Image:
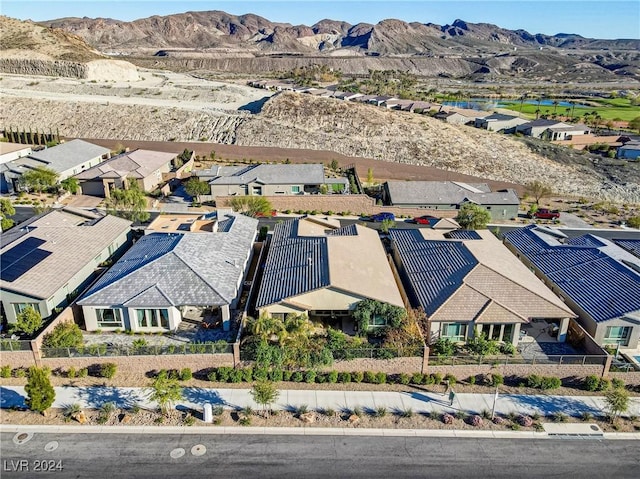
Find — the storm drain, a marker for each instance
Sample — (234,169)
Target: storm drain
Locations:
(573,431)
(22,437)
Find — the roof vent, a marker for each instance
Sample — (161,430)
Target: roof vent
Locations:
(309,261)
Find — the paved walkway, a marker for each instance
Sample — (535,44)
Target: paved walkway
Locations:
(418,401)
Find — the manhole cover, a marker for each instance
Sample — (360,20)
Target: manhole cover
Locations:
(198,450)
(22,437)
(51,446)
(594,427)
(176,453)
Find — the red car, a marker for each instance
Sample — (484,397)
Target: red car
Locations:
(266,215)
(545,214)
(423,220)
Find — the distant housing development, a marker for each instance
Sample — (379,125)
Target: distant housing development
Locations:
(267,180)
(47,261)
(450,195)
(166,274)
(468,283)
(314,266)
(598,279)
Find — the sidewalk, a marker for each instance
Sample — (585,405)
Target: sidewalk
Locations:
(418,401)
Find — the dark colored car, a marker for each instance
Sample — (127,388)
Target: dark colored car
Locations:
(423,220)
(545,214)
(385,215)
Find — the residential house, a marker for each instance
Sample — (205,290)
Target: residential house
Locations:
(580,142)
(596,278)
(316,267)
(451,195)
(536,128)
(629,151)
(48,260)
(380,100)
(499,122)
(460,116)
(268,180)
(13,151)
(565,132)
(145,167)
(468,283)
(165,276)
(66,159)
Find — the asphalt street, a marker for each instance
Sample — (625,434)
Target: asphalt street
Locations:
(136,456)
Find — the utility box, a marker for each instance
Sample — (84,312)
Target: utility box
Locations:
(208,413)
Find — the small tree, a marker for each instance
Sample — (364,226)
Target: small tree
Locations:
(473,217)
(40,392)
(370,178)
(6,209)
(194,187)
(165,390)
(39,179)
(130,204)
(482,346)
(635,124)
(251,205)
(334,165)
(617,400)
(386,224)
(64,335)
(539,190)
(72,185)
(28,321)
(264,393)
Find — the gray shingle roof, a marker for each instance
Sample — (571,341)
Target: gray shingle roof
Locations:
(40,257)
(272,174)
(447,192)
(67,155)
(161,269)
(499,117)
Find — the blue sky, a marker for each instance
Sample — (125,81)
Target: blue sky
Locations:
(590,18)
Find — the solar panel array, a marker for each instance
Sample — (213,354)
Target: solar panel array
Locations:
(349,230)
(294,265)
(597,282)
(19,259)
(586,240)
(631,245)
(435,269)
(463,235)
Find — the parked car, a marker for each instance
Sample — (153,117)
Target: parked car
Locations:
(271,213)
(545,214)
(385,215)
(423,220)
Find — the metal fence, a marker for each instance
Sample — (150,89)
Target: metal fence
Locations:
(103,350)
(14,345)
(376,353)
(575,360)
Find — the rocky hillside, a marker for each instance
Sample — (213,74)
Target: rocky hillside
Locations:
(31,49)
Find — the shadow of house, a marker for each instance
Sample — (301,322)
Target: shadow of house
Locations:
(10,399)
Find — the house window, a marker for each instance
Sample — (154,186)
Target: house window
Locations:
(454,331)
(153,318)
(295,189)
(109,318)
(256,190)
(20,307)
(617,335)
(377,321)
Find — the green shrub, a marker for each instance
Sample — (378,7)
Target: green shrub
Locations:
(444,347)
(236,376)
(321,378)
(212,376)
(83,373)
(19,373)
(5,371)
(534,381)
(437,378)
(380,412)
(507,348)
(369,377)
(297,377)
(71,372)
(428,379)
(381,378)
(497,380)
(471,380)
(276,375)
(550,382)
(357,376)
(40,392)
(223,373)
(108,370)
(605,384)
(344,378)
(451,379)
(286,375)
(617,383)
(244,421)
(310,377)
(332,377)
(417,378)
(64,335)
(185,374)
(404,379)
(261,374)
(189,420)
(247,375)
(592,383)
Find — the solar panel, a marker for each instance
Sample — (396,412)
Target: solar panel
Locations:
(631,245)
(21,258)
(463,235)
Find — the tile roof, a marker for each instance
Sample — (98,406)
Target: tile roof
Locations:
(270,174)
(135,164)
(40,257)
(455,280)
(72,153)
(309,254)
(161,269)
(600,279)
(447,192)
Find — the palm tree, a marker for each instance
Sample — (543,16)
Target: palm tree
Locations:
(555,106)
(266,327)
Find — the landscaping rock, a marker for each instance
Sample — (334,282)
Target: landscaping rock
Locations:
(525,421)
(125,419)
(353,419)
(308,417)
(477,421)
(498,420)
(81,417)
(447,418)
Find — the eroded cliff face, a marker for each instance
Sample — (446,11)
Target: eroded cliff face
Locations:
(99,70)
